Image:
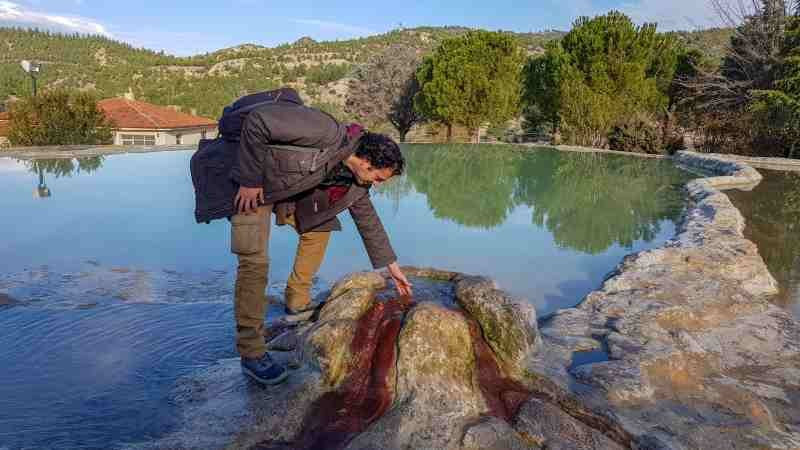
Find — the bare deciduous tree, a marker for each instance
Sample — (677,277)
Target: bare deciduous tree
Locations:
(751,56)
(403,115)
(384,89)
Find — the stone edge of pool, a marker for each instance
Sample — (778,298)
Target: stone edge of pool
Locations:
(689,327)
(82,151)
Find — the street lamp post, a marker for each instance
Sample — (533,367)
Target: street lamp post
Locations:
(42,191)
(32,68)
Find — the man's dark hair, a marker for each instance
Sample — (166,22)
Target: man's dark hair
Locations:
(381,152)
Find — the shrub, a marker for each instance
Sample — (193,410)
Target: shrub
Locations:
(327,73)
(58,117)
(645,135)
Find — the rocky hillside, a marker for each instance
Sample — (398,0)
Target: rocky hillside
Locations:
(205,83)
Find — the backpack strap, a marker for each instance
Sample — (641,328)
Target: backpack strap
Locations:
(232,119)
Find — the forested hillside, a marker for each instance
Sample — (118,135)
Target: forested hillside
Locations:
(205,83)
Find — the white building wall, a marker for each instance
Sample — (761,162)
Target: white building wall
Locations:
(119,135)
(189,136)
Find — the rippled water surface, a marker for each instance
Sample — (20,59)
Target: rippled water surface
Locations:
(110,293)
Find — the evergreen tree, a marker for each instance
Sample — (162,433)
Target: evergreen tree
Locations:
(471,80)
(778,109)
(605,73)
(541,90)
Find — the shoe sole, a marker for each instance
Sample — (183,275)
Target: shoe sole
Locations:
(271,382)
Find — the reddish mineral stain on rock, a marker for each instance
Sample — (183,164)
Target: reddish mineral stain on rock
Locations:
(366,393)
(503,395)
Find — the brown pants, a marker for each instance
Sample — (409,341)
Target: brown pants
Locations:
(250,242)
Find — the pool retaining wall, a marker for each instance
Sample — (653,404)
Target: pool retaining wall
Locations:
(697,355)
(84,151)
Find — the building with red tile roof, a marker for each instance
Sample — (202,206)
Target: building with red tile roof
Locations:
(140,123)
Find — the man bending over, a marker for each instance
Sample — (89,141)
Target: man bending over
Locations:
(304,166)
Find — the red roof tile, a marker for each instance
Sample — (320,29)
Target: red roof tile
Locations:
(135,114)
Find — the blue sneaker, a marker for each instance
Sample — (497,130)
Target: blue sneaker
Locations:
(264,370)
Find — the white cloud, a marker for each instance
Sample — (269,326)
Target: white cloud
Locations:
(334,26)
(14,14)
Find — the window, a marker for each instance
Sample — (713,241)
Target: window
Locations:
(178,139)
(138,139)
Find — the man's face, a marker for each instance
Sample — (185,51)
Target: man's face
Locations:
(366,174)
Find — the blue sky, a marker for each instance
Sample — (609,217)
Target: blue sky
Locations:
(186,27)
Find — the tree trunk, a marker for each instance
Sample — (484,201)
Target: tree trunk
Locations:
(449,133)
(403,134)
(477,136)
(556,138)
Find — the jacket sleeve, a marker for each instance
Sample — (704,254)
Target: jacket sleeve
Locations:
(280,123)
(375,239)
(248,168)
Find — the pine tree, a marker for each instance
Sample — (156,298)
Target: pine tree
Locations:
(605,73)
(471,80)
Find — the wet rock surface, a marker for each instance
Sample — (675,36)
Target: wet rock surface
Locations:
(508,325)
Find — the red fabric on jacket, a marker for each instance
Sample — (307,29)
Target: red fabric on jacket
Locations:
(337,192)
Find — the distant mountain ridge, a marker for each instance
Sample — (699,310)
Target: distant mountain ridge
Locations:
(207,82)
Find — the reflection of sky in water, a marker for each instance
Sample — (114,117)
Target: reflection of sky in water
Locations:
(122,293)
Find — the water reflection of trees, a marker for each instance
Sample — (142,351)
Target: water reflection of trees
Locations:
(588,201)
(65,167)
(395,190)
(591,201)
(772,212)
(472,185)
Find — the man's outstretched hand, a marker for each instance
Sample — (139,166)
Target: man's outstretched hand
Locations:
(246,200)
(400,281)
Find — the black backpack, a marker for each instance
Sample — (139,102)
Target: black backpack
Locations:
(211,164)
